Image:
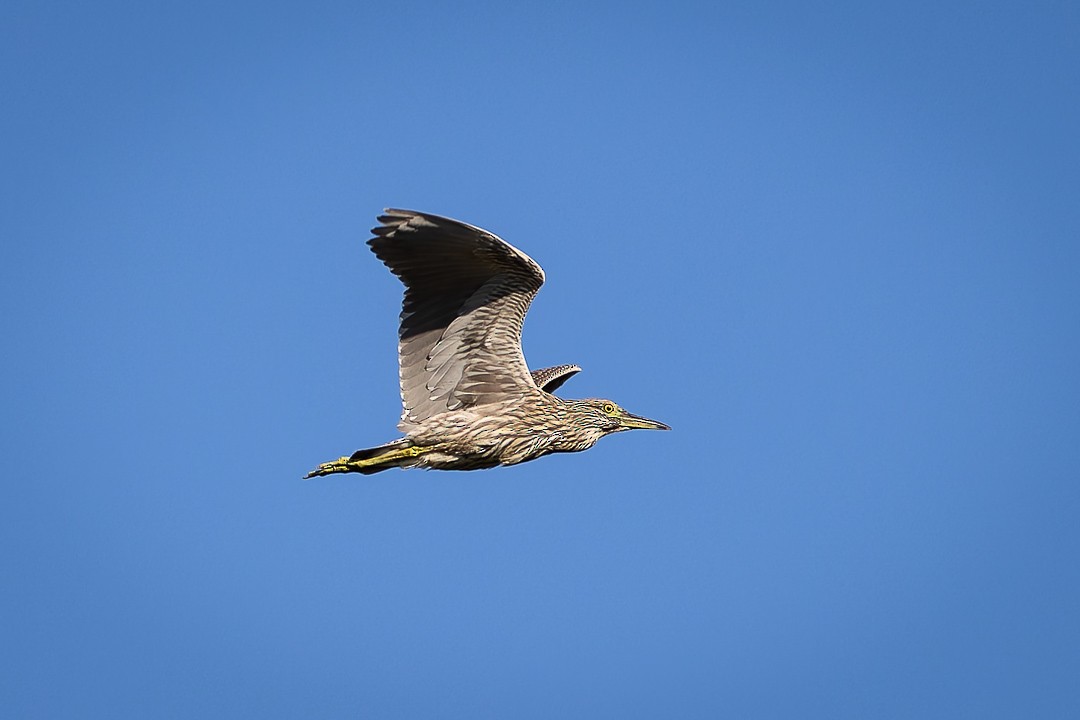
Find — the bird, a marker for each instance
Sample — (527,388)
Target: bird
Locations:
(469,401)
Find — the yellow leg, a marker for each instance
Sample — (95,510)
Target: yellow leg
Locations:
(344,464)
(409,452)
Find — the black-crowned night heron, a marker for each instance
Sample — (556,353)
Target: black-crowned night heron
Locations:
(469,400)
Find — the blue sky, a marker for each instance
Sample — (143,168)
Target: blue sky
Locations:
(834,246)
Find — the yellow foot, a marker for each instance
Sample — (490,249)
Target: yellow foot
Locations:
(335,466)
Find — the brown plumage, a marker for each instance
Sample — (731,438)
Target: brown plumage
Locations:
(469,400)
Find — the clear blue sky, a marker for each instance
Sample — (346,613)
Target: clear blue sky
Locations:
(835,246)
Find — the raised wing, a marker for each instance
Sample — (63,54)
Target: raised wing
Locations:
(466,295)
(550,379)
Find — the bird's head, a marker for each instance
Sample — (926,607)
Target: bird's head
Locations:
(608,417)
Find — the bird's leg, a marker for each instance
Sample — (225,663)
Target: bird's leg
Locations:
(367,465)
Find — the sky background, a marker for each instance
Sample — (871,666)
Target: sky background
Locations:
(834,245)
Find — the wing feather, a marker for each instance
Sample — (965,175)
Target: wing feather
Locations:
(550,379)
(466,295)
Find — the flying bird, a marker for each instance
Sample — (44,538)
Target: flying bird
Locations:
(468,399)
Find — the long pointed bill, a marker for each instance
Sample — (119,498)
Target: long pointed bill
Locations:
(636,422)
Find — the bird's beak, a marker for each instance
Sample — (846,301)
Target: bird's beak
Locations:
(635,422)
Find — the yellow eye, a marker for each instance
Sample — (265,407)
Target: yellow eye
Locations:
(610,409)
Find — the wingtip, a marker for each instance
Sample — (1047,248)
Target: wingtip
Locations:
(390,220)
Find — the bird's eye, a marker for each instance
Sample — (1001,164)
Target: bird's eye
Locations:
(609,408)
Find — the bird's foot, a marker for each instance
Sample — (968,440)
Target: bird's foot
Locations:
(335,466)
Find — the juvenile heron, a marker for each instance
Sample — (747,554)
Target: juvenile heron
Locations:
(468,398)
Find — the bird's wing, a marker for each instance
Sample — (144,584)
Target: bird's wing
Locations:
(466,295)
(551,379)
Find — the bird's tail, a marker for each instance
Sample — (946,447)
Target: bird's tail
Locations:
(400,453)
